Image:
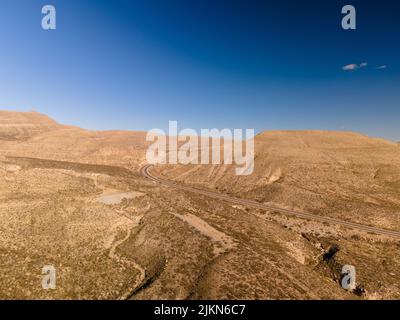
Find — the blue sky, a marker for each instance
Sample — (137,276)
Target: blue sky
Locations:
(136,65)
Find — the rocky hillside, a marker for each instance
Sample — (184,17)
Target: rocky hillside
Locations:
(24,125)
(26,133)
(331,173)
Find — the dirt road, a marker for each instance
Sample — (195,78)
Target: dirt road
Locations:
(145,171)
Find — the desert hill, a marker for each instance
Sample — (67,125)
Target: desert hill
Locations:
(327,172)
(31,134)
(24,125)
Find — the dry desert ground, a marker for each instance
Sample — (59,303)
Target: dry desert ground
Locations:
(76,199)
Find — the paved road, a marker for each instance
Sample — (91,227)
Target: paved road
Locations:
(145,171)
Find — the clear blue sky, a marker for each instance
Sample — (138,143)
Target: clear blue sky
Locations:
(238,64)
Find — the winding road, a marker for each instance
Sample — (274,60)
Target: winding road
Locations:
(145,171)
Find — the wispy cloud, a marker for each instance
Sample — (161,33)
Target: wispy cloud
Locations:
(350,67)
(354,67)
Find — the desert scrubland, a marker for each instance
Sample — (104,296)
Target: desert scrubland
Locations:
(75,199)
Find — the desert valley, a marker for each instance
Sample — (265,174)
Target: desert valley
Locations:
(77,200)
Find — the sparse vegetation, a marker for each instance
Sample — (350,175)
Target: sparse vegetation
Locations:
(177,245)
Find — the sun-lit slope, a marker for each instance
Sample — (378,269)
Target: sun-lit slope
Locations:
(333,173)
(52,141)
(199,249)
(54,214)
(24,125)
(167,244)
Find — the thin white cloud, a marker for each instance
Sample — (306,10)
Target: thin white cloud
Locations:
(350,67)
(354,67)
(382,67)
